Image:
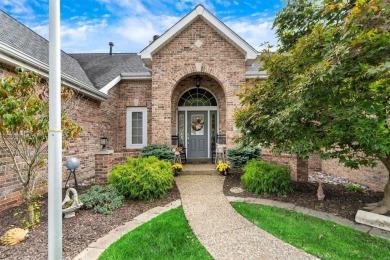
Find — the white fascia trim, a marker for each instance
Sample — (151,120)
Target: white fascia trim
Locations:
(110,85)
(146,54)
(250,53)
(13,56)
(127,76)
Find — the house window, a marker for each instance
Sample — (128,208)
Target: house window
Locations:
(197,97)
(136,127)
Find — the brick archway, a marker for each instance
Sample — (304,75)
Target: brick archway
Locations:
(213,73)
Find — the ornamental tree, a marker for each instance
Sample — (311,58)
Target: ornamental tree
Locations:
(24,125)
(328,85)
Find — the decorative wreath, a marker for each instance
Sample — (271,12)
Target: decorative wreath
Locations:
(197,125)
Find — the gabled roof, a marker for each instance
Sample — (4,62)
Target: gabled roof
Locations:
(103,68)
(199,12)
(20,46)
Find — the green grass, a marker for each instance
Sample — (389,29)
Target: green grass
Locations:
(167,236)
(318,237)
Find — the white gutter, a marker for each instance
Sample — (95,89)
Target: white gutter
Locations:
(14,56)
(255,74)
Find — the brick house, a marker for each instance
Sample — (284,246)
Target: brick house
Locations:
(183,83)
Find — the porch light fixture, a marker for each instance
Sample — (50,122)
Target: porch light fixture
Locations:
(197,80)
(103,143)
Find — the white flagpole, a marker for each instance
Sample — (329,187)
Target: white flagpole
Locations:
(55,135)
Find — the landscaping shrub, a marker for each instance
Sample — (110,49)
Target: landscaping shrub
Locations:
(161,151)
(354,188)
(239,156)
(142,178)
(265,177)
(102,199)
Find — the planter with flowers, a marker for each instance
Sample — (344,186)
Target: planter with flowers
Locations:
(177,168)
(223,168)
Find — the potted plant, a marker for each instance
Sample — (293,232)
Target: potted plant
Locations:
(223,168)
(177,168)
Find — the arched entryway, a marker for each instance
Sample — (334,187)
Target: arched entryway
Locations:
(199,114)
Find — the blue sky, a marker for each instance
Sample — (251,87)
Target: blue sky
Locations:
(88,25)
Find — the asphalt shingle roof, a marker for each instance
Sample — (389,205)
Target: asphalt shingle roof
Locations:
(102,68)
(20,37)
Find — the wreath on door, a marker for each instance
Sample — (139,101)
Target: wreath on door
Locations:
(197,125)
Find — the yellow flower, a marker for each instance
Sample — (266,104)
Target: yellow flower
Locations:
(177,166)
(222,166)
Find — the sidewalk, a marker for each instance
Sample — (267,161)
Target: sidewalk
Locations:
(224,232)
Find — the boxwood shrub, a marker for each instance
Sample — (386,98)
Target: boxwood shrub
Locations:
(142,178)
(161,151)
(239,156)
(265,177)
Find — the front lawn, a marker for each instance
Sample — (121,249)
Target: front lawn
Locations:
(318,237)
(167,236)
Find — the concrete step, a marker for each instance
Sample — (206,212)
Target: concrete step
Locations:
(200,172)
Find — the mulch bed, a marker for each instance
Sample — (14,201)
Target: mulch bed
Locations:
(338,200)
(87,226)
(78,232)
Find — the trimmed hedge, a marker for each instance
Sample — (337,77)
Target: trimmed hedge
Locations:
(142,178)
(161,151)
(265,177)
(239,156)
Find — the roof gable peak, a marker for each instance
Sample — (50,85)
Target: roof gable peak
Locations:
(199,12)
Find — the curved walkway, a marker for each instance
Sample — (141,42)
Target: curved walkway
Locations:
(224,232)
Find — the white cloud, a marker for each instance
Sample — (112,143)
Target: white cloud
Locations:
(189,4)
(255,32)
(16,7)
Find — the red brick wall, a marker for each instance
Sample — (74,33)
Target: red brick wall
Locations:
(176,61)
(375,178)
(129,94)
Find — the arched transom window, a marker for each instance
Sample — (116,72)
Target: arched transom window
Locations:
(196,98)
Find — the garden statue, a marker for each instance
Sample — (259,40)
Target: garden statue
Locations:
(320,192)
(70,204)
(14,236)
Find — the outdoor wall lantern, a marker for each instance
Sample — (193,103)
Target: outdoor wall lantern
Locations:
(197,80)
(72,164)
(103,143)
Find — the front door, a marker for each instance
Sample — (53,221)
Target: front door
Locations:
(197,136)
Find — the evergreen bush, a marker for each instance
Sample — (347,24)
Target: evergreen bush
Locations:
(161,151)
(265,177)
(142,178)
(239,156)
(102,199)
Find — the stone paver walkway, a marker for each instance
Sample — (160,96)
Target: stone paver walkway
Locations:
(224,232)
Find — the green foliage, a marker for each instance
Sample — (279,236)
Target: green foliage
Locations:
(102,199)
(24,126)
(354,188)
(328,85)
(161,151)
(265,177)
(322,238)
(167,236)
(142,178)
(239,156)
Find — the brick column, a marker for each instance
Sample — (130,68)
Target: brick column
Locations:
(299,169)
(104,161)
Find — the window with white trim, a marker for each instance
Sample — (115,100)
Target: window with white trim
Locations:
(136,127)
